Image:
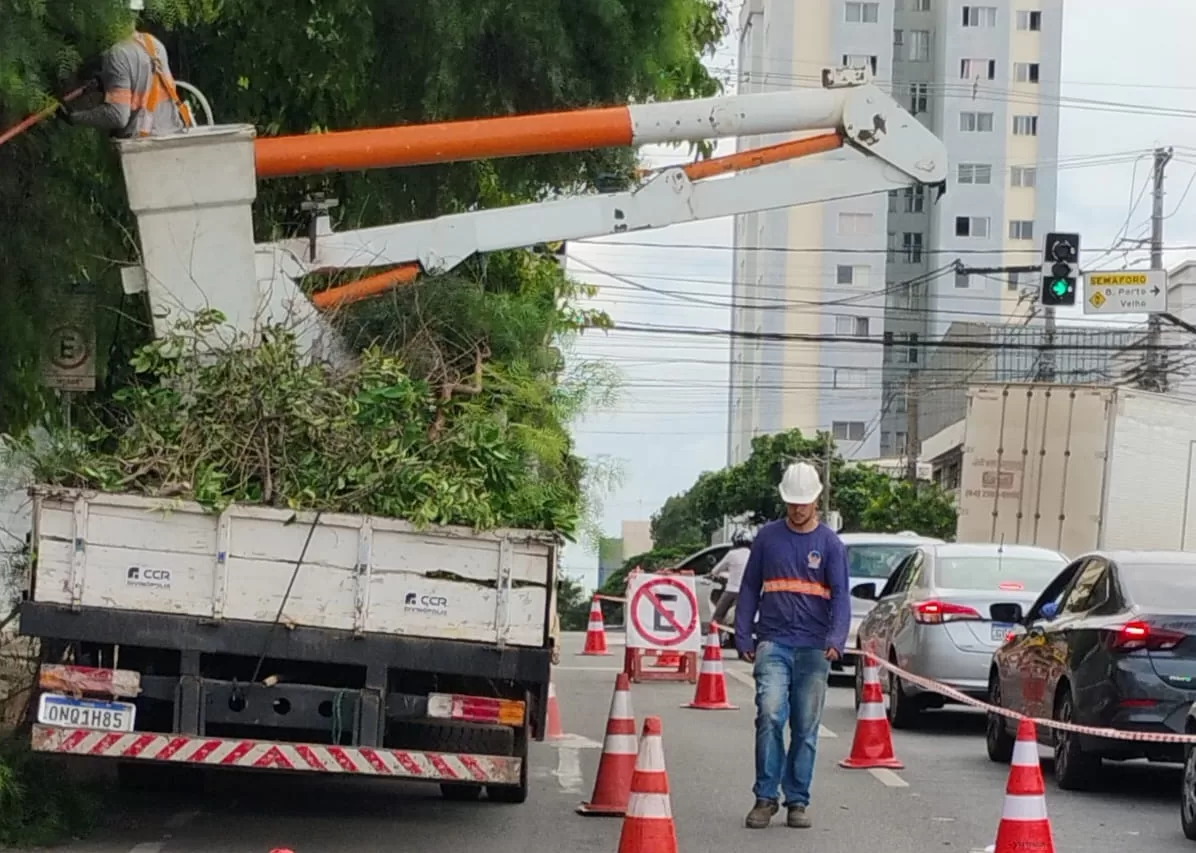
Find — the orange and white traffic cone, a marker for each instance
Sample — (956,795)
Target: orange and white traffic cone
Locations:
(711,694)
(555,730)
(873,742)
(648,826)
(596,632)
(1024,823)
(612,786)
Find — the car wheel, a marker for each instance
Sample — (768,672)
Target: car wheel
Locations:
(1187,804)
(997,738)
(1075,770)
(904,711)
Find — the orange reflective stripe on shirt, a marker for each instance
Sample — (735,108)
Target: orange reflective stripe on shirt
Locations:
(119,96)
(797,586)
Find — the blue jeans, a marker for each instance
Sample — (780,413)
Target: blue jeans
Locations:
(790,688)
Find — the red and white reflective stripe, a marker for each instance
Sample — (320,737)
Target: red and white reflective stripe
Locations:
(300,757)
(1024,807)
(1025,754)
(871,711)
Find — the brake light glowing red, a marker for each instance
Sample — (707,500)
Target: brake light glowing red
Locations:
(1136,635)
(937,612)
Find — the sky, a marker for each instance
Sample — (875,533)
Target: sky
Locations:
(670,421)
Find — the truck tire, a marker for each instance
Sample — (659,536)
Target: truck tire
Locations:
(435,737)
(460,793)
(514,794)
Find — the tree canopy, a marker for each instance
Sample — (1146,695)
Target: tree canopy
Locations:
(867,498)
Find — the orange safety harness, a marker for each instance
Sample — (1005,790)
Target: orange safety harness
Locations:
(162,86)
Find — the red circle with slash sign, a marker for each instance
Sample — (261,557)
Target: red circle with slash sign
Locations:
(684,632)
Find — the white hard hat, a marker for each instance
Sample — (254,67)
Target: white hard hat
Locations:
(801,484)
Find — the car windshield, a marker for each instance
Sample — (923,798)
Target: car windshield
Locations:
(1166,587)
(997,572)
(875,561)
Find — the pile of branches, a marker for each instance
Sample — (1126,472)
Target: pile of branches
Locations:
(265,426)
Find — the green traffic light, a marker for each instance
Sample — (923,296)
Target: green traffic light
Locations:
(1059,287)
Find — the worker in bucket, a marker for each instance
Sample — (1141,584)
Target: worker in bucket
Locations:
(796,583)
(140,96)
(731,568)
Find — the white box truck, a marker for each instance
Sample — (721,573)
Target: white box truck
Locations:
(1076,468)
(266,639)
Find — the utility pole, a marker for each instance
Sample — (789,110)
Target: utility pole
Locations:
(826,480)
(1046,364)
(912,440)
(1156,377)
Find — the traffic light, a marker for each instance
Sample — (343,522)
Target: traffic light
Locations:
(1060,269)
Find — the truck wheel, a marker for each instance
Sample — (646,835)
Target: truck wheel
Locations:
(514,794)
(460,793)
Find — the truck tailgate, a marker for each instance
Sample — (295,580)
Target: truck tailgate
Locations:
(361,573)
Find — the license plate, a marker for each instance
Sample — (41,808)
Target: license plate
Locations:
(999,632)
(54,710)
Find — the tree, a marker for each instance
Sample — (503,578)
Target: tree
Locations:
(572,604)
(292,67)
(676,523)
(866,497)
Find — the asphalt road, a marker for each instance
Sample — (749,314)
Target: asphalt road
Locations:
(948,797)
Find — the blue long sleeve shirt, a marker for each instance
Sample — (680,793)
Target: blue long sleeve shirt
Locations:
(797,584)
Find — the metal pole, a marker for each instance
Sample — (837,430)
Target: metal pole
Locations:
(1156,377)
(912,440)
(826,487)
(1046,365)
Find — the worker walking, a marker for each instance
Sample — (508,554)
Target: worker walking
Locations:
(796,581)
(731,567)
(140,96)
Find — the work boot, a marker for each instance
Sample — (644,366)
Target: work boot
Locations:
(761,814)
(797,818)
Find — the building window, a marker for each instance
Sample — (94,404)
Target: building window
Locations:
(980,16)
(976,122)
(919,95)
(859,60)
(848,430)
(913,199)
(911,247)
(850,326)
(856,275)
(899,446)
(963,280)
(1023,176)
(912,353)
(851,377)
(1021,229)
(971,226)
(975,173)
(918,48)
(856,224)
(898,38)
(978,69)
(1028,21)
(1025,125)
(921,6)
(863,13)
(1025,72)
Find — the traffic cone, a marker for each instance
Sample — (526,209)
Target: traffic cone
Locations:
(648,826)
(873,742)
(555,730)
(711,694)
(1024,823)
(595,632)
(612,786)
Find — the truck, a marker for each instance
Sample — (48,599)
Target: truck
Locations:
(258,638)
(1078,468)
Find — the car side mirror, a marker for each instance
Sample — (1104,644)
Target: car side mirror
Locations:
(1008,613)
(865,591)
(1050,610)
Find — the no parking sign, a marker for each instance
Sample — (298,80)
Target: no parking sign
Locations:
(662,613)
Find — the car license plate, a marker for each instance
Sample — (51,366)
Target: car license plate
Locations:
(999,632)
(55,710)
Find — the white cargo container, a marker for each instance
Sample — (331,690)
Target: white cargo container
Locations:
(1075,467)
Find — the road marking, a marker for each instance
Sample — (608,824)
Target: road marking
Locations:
(747,680)
(573,742)
(589,668)
(148,847)
(887,777)
(568,770)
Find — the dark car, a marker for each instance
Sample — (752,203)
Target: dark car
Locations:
(1110,642)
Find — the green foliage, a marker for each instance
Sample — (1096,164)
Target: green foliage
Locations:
(868,499)
(657,558)
(39,806)
(572,604)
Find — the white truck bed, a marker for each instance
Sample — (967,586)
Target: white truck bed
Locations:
(361,573)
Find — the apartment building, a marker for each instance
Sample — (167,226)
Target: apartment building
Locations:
(985,78)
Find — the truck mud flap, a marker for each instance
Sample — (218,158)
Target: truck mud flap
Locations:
(278,756)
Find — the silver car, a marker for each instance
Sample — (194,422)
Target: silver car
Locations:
(872,557)
(931,617)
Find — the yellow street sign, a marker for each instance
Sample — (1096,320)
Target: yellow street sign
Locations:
(1118,279)
(1097,299)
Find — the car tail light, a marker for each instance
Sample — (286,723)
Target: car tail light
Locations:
(1142,635)
(936,612)
(476,709)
